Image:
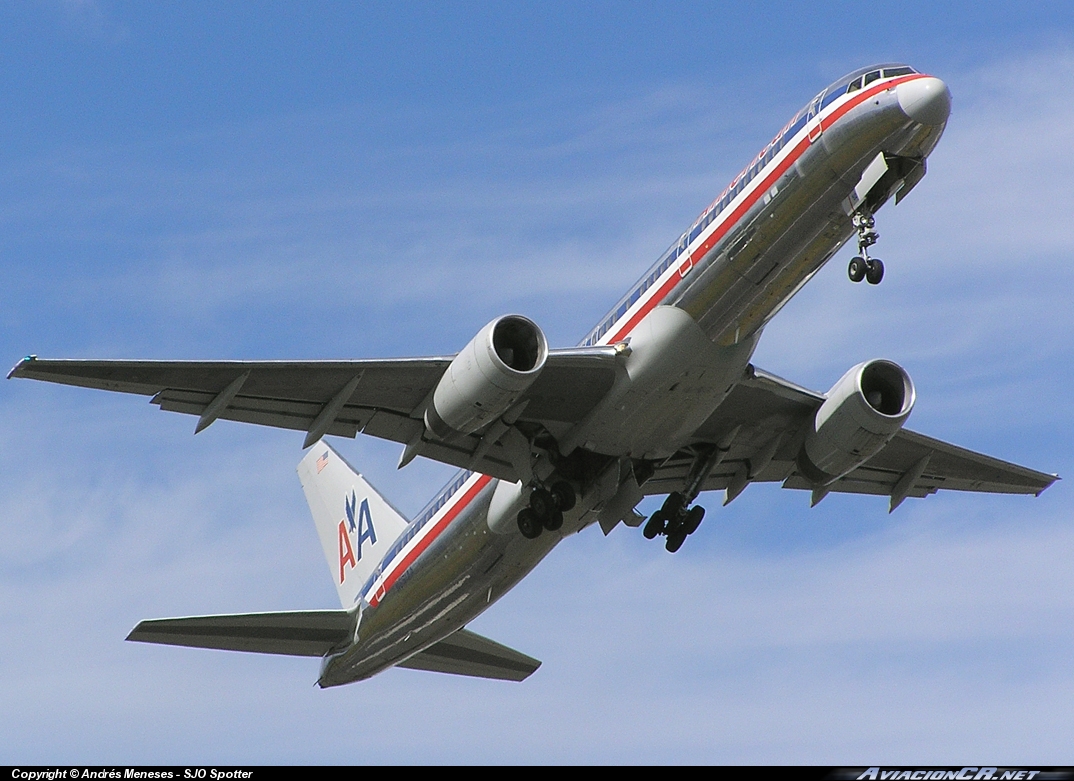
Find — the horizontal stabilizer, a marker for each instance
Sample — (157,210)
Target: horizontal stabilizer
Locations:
(468,653)
(298,633)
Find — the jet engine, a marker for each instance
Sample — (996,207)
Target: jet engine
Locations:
(861,414)
(488,376)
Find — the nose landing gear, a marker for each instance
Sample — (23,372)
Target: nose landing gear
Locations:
(862,266)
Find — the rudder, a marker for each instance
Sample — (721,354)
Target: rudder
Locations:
(355,523)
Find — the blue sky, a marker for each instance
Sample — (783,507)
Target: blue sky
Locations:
(279,181)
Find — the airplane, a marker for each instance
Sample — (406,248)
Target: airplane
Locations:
(660,398)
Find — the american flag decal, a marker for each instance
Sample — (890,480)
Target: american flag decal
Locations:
(322,462)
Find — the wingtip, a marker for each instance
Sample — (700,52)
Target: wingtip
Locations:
(1055,479)
(20,364)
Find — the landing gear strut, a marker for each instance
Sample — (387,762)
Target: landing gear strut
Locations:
(676,519)
(862,266)
(546,509)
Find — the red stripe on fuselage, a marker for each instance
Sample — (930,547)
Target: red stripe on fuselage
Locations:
(732,219)
(721,230)
(427,539)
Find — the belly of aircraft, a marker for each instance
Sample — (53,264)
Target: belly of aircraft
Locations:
(453,582)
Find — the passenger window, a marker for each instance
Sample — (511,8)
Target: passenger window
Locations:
(871,77)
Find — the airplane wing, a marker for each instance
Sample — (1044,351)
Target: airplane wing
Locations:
(468,653)
(298,633)
(384,398)
(773,416)
(381,398)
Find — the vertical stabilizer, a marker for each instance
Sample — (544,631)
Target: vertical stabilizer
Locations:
(355,523)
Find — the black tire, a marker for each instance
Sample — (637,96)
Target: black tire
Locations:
(563,495)
(693,519)
(654,526)
(528,524)
(554,520)
(541,503)
(675,542)
(875,272)
(857,269)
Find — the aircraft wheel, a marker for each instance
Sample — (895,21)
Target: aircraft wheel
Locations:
(563,495)
(528,524)
(693,519)
(875,272)
(554,520)
(542,503)
(675,542)
(654,526)
(857,269)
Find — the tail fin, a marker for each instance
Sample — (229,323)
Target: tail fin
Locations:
(356,525)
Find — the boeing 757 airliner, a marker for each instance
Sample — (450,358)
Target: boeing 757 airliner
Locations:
(660,398)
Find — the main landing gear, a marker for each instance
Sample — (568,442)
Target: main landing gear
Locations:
(862,266)
(674,520)
(546,509)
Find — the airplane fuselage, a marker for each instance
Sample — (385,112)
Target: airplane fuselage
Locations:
(687,329)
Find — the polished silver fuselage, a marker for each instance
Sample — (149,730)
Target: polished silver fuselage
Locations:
(691,328)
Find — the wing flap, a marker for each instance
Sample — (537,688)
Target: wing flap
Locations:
(278,413)
(297,633)
(468,653)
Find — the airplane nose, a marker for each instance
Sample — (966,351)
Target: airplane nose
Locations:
(925,100)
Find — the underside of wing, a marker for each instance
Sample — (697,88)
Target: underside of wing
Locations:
(767,419)
(298,633)
(380,398)
(468,653)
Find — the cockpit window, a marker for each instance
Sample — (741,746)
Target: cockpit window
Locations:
(903,71)
(871,77)
(854,86)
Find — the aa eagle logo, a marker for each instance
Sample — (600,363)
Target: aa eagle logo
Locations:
(353,532)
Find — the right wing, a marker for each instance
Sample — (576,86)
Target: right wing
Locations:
(381,398)
(772,417)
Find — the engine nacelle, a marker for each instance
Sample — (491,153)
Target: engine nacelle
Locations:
(488,376)
(861,414)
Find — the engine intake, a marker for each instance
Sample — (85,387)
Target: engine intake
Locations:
(860,415)
(487,377)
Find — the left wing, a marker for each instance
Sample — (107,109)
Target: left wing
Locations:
(772,417)
(381,398)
